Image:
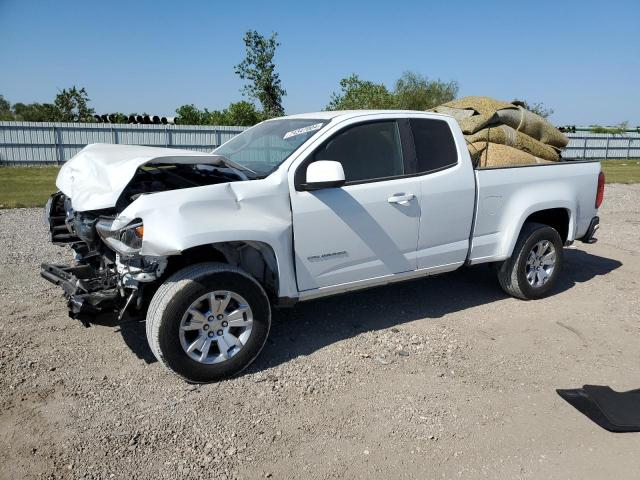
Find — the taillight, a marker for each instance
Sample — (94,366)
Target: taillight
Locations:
(600,193)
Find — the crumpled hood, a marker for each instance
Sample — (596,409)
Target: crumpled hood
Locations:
(96,176)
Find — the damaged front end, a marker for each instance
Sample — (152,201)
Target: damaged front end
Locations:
(109,277)
(117,269)
(89,291)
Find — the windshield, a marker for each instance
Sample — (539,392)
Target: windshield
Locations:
(264,147)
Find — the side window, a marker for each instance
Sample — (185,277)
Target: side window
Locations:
(366,152)
(435,146)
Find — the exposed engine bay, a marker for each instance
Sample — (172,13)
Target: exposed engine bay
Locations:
(109,275)
(160,178)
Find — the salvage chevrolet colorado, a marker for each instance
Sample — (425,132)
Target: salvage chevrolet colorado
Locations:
(295,208)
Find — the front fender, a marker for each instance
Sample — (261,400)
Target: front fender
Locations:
(257,210)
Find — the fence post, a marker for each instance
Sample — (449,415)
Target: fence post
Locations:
(606,149)
(584,150)
(629,147)
(218,138)
(60,144)
(57,144)
(114,134)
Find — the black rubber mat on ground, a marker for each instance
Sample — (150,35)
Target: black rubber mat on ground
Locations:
(613,411)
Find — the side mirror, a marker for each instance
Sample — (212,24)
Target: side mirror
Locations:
(324,174)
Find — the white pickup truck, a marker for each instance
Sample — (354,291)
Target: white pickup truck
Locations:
(297,208)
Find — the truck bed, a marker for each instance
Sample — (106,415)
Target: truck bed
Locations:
(505,197)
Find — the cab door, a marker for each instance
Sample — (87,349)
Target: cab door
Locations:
(447,195)
(367,228)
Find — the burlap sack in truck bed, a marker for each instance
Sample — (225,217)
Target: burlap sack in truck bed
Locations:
(533,125)
(480,105)
(487,154)
(501,134)
(475,113)
(506,135)
(458,113)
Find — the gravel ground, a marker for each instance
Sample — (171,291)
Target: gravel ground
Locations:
(443,377)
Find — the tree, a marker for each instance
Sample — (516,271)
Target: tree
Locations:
(537,108)
(258,68)
(192,115)
(240,113)
(69,106)
(243,113)
(618,129)
(5,109)
(36,112)
(356,93)
(118,117)
(414,91)
(72,105)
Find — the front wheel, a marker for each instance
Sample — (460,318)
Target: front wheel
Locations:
(534,266)
(208,322)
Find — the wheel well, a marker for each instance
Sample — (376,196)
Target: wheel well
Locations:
(256,258)
(557,218)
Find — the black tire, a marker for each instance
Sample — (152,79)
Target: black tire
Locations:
(174,297)
(512,272)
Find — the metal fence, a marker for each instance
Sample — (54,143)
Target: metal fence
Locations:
(31,143)
(602,145)
(34,143)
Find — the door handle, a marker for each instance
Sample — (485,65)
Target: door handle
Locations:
(403,199)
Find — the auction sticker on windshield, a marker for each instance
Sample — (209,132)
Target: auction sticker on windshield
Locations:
(300,131)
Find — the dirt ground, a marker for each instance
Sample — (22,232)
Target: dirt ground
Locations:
(444,377)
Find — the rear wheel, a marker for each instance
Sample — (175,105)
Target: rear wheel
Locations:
(534,266)
(208,322)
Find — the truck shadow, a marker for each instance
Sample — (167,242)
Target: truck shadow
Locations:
(312,325)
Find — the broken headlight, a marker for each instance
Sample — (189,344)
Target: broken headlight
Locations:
(122,235)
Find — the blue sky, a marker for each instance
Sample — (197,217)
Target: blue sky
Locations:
(580,58)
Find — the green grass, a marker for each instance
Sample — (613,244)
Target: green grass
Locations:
(26,186)
(621,171)
(31,186)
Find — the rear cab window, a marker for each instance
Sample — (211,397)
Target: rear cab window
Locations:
(434,144)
